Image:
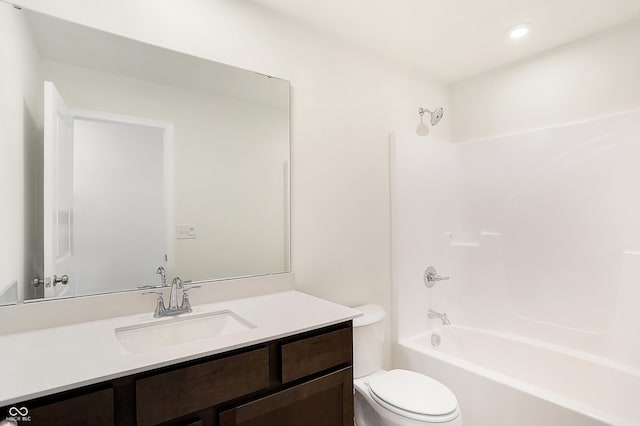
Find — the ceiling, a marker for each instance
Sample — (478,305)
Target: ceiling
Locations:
(455,39)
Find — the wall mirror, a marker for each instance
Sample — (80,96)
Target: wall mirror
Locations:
(119,160)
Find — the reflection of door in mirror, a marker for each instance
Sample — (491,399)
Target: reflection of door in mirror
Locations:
(114,204)
(58,194)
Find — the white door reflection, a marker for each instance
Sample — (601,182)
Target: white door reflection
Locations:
(58,195)
(117,202)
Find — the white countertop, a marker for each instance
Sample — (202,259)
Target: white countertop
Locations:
(46,361)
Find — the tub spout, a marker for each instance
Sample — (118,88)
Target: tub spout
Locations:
(442,317)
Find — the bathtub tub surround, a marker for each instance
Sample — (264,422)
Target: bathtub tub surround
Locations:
(540,230)
(311,344)
(396,397)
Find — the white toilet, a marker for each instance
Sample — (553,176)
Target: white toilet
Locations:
(396,397)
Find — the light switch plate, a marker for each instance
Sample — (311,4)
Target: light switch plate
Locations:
(186,232)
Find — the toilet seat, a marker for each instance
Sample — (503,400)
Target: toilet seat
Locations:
(414,396)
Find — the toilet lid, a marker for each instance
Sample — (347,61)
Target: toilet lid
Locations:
(413,392)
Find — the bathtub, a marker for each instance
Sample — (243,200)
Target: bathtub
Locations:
(504,379)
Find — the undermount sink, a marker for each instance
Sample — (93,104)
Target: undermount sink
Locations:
(178,330)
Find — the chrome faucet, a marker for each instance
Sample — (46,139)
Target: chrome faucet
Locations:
(437,315)
(176,285)
(173,308)
(163,279)
(163,276)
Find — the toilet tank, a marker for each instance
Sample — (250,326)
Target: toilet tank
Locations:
(368,340)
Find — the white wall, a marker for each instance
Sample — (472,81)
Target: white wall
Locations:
(585,79)
(20,143)
(344,103)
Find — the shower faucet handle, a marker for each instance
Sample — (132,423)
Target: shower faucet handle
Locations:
(431,277)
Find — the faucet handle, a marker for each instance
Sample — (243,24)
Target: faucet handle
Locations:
(186,304)
(431,277)
(160,308)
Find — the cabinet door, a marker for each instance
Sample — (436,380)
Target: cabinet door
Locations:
(94,409)
(315,354)
(177,393)
(325,401)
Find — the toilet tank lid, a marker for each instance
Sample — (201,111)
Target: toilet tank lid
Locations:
(370,315)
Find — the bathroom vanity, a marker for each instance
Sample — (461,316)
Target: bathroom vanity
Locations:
(276,377)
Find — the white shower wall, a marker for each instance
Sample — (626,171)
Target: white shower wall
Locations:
(537,230)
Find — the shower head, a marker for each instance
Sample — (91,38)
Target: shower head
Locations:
(436,116)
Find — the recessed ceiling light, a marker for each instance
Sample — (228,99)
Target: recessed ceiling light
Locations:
(519,31)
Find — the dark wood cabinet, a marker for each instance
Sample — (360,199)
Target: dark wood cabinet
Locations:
(305,379)
(314,354)
(92,408)
(324,401)
(176,393)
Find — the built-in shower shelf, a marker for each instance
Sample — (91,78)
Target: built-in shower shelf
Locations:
(469,242)
(466,241)
(490,234)
(464,244)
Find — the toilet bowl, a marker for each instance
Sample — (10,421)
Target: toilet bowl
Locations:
(395,397)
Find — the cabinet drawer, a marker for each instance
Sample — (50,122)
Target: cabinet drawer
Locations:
(314,354)
(95,408)
(323,401)
(170,395)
